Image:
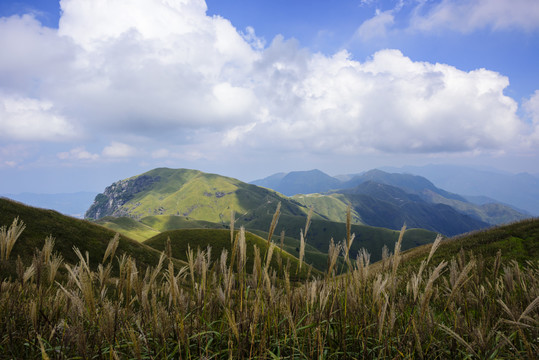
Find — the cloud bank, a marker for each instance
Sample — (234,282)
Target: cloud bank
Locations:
(138,76)
(469,15)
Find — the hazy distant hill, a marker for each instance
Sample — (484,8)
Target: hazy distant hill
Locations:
(487,213)
(388,206)
(410,183)
(518,190)
(300,182)
(72,204)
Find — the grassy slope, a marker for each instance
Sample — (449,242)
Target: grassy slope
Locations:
(202,196)
(318,237)
(170,222)
(313,256)
(218,240)
(68,232)
(518,241)
(371,238)
(333,207)
(129,227)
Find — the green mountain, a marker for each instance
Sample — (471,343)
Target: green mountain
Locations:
(300,182)
(411,184)
(492,213)
(68,233)
(388,206)
(518,190)
(188,193)
(315,181)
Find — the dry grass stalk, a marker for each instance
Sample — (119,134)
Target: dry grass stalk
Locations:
(8,237)
(333,254)
(301,248)
(274,221)
(308,221)
(396,253)
(111,247)
(232,221)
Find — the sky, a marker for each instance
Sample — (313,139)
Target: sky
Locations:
(94,91)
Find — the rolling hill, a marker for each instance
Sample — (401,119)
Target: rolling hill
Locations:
(68,233)
(517,241)
(219,240)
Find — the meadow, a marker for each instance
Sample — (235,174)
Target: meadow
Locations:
(434,303)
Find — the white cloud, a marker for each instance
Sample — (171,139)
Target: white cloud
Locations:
(469,15)
(250,36)
(26,119)
(531,106)
(376,26)
(166,73)
(389,103)
(119,150)
(161,153)
(31,55)
(78,153)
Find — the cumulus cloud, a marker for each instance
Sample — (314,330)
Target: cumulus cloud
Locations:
(119,150)
(78,153)
(388,103)
(32,55)
(376,26)
(26,119)
(469,15)
(168,74)
(531,106)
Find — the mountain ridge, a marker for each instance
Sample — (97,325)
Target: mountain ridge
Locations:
(491,214)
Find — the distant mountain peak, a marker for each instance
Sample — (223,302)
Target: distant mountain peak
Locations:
(300,182)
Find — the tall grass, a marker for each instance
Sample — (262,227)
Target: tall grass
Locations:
(467,307)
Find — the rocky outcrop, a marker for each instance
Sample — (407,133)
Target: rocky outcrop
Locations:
(110,202)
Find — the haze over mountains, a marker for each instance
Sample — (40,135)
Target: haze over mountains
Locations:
(72,204)
(384,199)
(520,190)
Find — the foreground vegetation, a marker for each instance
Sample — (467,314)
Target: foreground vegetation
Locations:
(467,306)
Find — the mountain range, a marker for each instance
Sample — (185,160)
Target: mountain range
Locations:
(385,199)
(520,191)
(156,201)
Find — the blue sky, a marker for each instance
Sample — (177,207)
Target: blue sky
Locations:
(93,91)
